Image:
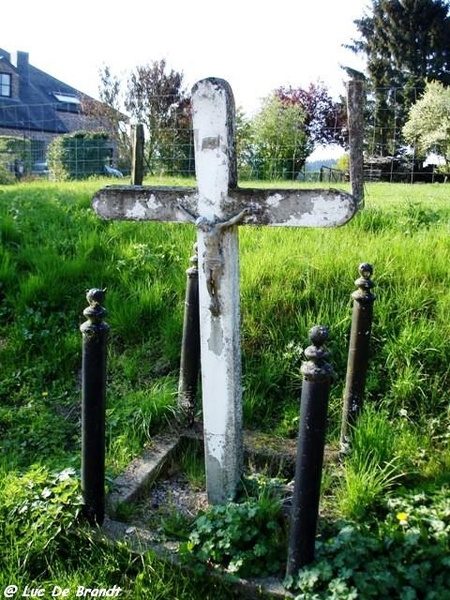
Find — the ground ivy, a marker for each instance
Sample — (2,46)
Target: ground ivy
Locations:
(246,538)
(404,556)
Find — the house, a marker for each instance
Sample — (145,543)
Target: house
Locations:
(37,107)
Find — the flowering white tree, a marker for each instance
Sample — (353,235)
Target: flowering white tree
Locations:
(428,126)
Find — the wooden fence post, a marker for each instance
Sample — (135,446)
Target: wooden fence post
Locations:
(355,111)
(137,161)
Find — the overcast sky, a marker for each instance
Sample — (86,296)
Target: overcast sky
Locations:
(255,45)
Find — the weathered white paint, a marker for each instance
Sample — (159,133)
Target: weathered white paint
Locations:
(220,335)
(141,208)
(323,214)
(211,146)
(274,200)
(323,208)
(136,212)
(153,202)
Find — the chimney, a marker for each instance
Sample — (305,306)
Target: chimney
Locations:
(20,61)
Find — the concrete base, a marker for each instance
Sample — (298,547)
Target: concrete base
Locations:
(273,455)
(142,472)
(141,541)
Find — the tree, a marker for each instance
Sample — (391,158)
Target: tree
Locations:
(290,124)
(244,144)
(428,124)
(281,144)
(325,119)
(109,113)
(156,99)
(406,43)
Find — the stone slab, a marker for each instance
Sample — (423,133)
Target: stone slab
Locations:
(142,471)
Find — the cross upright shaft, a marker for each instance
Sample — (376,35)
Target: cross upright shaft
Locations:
(218,247)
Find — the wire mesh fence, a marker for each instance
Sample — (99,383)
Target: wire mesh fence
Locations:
(169,148)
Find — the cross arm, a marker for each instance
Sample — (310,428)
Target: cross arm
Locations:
(254,206)
(293,207)
(140,203)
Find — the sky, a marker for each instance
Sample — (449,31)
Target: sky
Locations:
(255,45)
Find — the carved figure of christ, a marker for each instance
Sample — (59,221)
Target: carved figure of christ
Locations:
(217,207)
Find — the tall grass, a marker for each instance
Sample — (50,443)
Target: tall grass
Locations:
(53,248)
(304,277)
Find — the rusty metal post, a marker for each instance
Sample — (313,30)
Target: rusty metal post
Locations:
(358,355)
(190,345)
(317,376)
(94,332)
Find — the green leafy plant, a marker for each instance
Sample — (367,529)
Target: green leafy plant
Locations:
(6,176)
(39,511)
(78,155)
(405,556)
(246,538)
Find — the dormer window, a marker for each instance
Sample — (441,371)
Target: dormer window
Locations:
(67,102)
(5,85)
(66,98)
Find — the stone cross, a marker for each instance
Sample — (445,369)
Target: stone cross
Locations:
(216,207)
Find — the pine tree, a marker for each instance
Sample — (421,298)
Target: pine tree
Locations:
(406,44)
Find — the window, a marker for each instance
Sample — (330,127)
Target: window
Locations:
(67,98)
(5,84)
(67,102)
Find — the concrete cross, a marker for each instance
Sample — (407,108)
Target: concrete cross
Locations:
(217,206)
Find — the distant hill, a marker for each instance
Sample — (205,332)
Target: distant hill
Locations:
(316,164)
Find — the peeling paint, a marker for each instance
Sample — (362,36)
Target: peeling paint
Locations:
(153,202)
(274,200)
(215,341)
(136,212)
(211,143)
(215,445)
(323,214)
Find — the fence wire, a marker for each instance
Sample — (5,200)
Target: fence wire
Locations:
(169,148)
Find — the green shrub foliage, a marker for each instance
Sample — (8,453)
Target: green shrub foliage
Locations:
(39,512)
(246,538)
(79,155)
(405,555)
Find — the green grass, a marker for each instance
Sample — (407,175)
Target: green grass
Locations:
(53,248)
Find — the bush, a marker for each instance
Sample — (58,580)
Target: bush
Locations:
(6,177)
(405,556)
(14,149)
(79,155)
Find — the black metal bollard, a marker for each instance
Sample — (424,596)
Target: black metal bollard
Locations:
(95,332)
(317,375)
(190,346)
(358,355)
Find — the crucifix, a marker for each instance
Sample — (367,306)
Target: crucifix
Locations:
(217,207)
